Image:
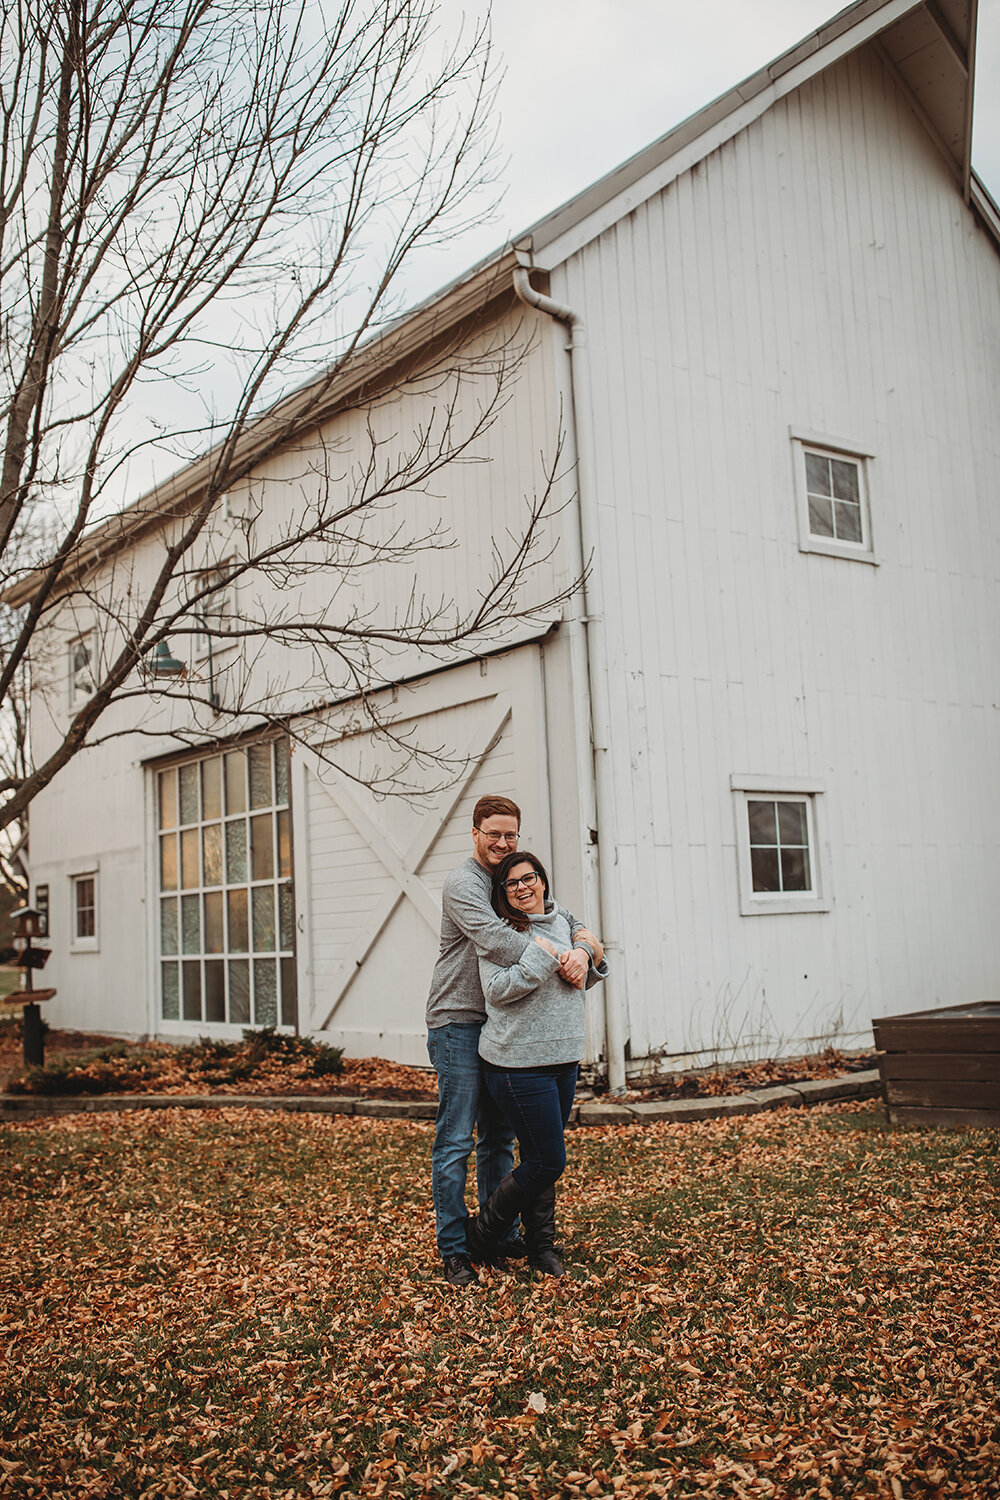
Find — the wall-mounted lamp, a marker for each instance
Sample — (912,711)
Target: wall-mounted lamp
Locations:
(165,665)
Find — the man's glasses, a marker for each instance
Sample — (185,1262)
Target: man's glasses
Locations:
(528,880)
(498,838)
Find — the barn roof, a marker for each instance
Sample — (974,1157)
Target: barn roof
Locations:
(928,44)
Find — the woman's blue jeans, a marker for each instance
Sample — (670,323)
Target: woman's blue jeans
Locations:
(464,1107)
(536,1102)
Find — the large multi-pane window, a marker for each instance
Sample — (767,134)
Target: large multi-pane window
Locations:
(227,909)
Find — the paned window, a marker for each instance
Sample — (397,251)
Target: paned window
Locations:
(227,908)
(216,611)
(84,932)
(777,846)
(832,495)
(42,908)
(82,668)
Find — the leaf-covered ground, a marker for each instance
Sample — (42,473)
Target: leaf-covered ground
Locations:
(239,1303)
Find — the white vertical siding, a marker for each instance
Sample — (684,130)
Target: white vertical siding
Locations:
(819,271)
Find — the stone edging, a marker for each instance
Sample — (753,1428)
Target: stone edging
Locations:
(588,1112)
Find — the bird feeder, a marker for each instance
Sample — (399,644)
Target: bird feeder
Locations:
(30,959)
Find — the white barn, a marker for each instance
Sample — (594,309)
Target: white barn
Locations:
(760,750)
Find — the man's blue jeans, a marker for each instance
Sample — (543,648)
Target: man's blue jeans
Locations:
(464,1106)
(537,1103)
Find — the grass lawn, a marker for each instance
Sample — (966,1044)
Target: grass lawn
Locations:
(238,1304)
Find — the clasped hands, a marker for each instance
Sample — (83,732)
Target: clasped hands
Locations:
(574,963)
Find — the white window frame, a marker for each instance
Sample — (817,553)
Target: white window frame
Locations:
(850,452)
(91,942)
(752,788)
(222,610)
(77,696)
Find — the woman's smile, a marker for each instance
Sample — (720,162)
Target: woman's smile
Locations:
(525,889)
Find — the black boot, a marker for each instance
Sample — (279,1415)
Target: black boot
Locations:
(484,1233)
(539,1219)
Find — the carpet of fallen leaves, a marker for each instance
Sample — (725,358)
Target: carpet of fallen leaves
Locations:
(238,1303)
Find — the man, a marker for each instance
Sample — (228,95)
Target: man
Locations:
(456,1012)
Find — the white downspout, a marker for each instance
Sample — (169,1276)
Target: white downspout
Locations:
(589,669)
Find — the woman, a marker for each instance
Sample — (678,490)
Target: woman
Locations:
(530,1047)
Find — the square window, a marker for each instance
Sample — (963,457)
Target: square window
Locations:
(84,931)
(831,483)
(777,846)
(82,668)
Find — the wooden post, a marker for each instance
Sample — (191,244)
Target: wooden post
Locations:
(34,1037)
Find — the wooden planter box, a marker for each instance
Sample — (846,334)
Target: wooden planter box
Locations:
(942,1067)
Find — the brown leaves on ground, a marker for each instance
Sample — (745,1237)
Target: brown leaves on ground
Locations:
(246,1304)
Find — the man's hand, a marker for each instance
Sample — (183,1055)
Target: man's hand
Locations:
(584,935)
(573,966)
(543,942)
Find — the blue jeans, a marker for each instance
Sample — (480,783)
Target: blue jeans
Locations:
(464,1106)
(537,1103)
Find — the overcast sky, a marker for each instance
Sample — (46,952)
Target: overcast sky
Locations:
(589,82)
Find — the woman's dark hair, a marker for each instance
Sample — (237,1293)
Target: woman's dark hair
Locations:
(498,896)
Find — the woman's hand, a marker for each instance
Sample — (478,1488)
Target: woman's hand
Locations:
(586,936)
(573,966)
(543,942)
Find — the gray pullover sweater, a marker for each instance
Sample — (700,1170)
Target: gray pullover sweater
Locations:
(470,927)
(534,1019)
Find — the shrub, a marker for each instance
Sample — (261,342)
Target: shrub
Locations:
(327,1059)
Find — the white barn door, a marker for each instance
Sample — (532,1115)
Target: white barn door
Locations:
(369,869)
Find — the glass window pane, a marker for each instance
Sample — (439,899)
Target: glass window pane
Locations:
(763,829)
(191,924)
(236,851)
(262,847)
(281,770)
(211,787)
(211,850)
(263,918)
(845,480)
(189,793)
(170,1007)
(239,991)
(168,799)
(214,935)
(794,870)
(792,823)
(817,475)
(168,925)
(284,844)
(848,522)
(260,776)
(265,992)
(764,865)
(215,990)
(820,517)
(286,916)
(289,1003)
(189,858)
(239,935)
(236,781)
(192,990)
(168,862)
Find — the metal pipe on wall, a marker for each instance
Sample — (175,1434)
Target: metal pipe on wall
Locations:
(588,661)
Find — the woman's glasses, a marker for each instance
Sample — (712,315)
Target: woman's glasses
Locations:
(527,880)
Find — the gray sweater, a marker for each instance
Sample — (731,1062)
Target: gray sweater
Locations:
(534,1019)
(470,928)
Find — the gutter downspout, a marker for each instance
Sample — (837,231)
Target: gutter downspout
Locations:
(589,663)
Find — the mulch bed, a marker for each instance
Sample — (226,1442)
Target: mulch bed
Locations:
(81,1062)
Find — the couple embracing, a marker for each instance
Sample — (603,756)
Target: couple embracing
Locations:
(505,1033)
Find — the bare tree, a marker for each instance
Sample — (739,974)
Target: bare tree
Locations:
(201,196)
